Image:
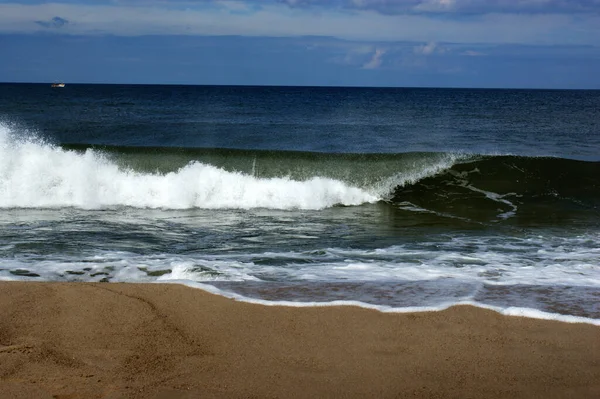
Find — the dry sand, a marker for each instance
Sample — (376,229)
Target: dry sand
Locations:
(77,340)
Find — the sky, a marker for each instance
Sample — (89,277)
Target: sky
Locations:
(392,43)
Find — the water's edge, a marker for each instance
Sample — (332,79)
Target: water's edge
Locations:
(509,311)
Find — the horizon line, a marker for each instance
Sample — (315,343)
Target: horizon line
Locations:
(305,86)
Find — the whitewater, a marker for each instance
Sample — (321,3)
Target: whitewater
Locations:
(37,174)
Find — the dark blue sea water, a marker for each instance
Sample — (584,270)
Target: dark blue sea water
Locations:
(396,198)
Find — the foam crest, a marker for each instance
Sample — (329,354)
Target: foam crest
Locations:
(36,174)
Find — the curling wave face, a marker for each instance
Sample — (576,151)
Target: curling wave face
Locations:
(484,188)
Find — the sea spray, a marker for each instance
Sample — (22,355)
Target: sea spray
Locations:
(37,174)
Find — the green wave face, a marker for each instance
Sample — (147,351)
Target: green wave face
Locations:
(551,190)
(473,187)
(377,173)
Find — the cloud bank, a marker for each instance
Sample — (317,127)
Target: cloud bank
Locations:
(395,7)
(366,20)
(456,6)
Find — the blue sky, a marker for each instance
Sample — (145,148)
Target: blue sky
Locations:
(439,43)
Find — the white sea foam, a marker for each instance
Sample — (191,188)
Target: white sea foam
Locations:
(543,261)
(507,311)
(126,267)
(488,194)
(555,262)
(34,174)
(491,260)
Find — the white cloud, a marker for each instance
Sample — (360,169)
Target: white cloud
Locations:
(376,59)
(469,7)
(435,6)
(472,53)
(427,49)
(236,6)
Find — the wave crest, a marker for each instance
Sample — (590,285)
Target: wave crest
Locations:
(37,174)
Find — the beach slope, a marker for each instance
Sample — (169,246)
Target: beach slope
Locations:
(71,340)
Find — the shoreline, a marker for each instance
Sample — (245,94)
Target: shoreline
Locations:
(113,340)
(512,311)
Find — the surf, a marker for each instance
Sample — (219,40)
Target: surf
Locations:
(36,174)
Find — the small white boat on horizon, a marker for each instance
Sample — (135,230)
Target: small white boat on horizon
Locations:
(57,85)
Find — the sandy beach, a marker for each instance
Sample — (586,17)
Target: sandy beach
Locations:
(82,340)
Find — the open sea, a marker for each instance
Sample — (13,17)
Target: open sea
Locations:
(397,199)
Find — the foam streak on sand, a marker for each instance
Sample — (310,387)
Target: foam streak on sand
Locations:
(507,311)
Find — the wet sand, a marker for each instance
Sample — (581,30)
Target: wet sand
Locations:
(81,340)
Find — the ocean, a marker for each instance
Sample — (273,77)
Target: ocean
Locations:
(391,198)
